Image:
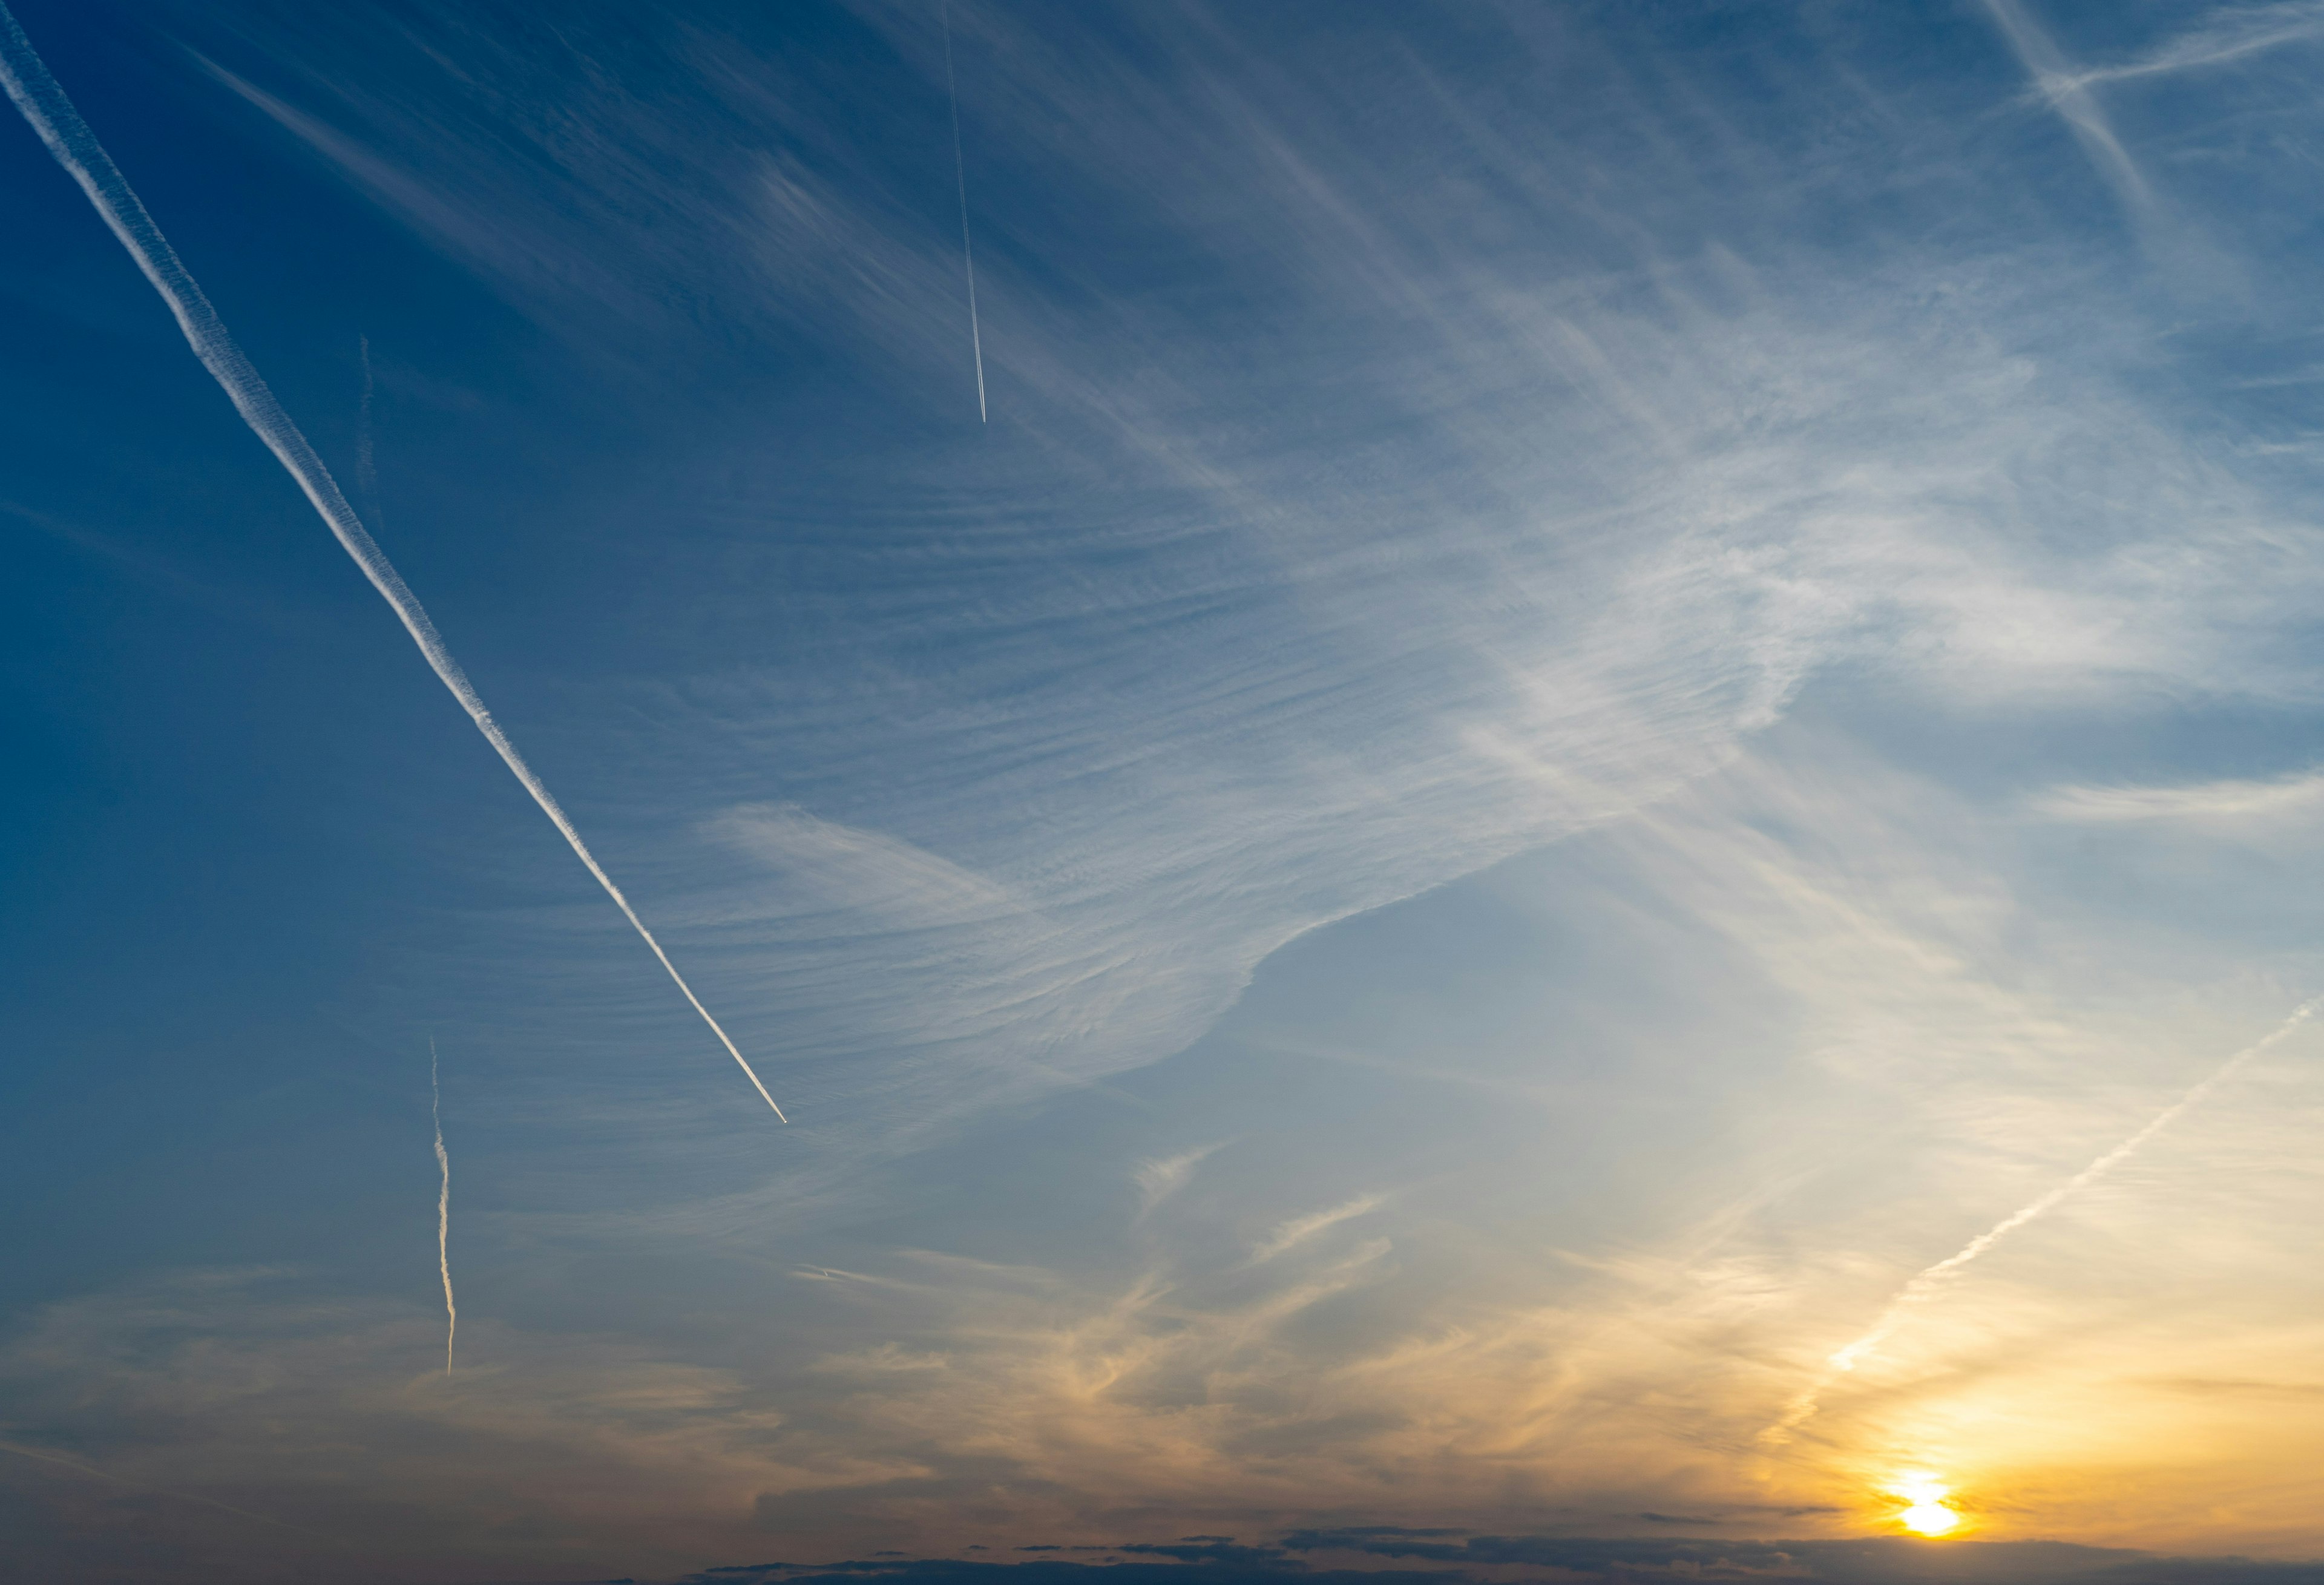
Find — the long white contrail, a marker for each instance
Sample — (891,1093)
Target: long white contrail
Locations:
(443,1208)
(967,252)
(1936,1279)
(51,115)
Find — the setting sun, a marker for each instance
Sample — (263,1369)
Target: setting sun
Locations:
(1928,1518)
(1926,1511)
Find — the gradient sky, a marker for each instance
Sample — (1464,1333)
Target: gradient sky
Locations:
(1612,672)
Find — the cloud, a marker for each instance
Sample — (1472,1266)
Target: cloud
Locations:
(1878,1562)
(2068,94)
(224,1391)
(1875,1561)
(2232,800)
(1934,1071)
(1165,1175)
(841,870)
(1298,1229)
(1448,519)
(2229,36)
(1545,458)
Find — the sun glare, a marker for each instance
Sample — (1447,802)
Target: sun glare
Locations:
(1928,1518)
(1926,1512)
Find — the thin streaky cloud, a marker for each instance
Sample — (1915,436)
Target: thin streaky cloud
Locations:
(2227,799)
(1929,1283)
(51,113)
(2310,376)
(1138,918)
(1298,1229)
(143,564)
(2233,34)
(394,188)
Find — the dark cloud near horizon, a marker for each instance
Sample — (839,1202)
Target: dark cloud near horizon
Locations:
(1210,1552)
(1880,1561)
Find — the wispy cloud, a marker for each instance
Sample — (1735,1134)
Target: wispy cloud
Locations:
(1433,445)
(1072,758)
(1165,1175)
(1291,1233)
(2068,93)
(2207,800)
(2227,36)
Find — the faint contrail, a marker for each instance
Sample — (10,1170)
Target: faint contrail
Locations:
(366,462)
(51,115)
(967,252)
(443,1208)
(1929,1283)
(95,1473)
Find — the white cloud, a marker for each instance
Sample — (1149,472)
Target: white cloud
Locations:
(1165,1175)
(1291,1233)
(2278,798)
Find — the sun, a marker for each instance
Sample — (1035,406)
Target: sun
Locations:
(1926,1510)
(1928,1519)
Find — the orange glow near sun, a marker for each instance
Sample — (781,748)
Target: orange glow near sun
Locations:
(1926,1510)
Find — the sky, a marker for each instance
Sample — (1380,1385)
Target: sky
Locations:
(1572,846)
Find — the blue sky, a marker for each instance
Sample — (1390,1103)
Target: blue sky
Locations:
(1608,676)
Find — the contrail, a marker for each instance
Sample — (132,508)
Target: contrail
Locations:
(1929,1283)
(2070,96)
(367,463)
(967,252)
(95,1473)
(443,1208)
(59,125)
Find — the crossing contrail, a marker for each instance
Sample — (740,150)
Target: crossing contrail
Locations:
(1936,1279)
(443,1208)
(51,115)
(967,252)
